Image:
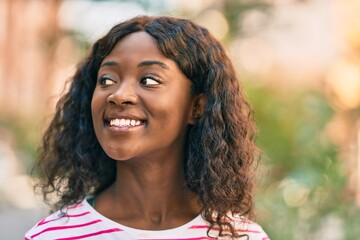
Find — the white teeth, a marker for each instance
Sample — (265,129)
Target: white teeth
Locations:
(124,122)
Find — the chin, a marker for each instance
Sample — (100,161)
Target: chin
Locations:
(119,155)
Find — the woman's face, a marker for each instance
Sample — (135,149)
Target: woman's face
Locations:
(142,103)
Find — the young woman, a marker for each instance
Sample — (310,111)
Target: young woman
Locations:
(154,140)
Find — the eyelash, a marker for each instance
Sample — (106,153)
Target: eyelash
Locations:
(102,81)
(153,78)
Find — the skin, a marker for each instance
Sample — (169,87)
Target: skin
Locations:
(136,81)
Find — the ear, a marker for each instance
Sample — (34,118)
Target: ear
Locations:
(198,106)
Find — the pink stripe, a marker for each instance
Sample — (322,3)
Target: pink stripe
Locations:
(67,215)
(65,227)
(92,234)
(198,226)
(266,238)
(43,221)
(76,206)
(249,231)
(242,221)
(240,230)
(198,238)
(216,229)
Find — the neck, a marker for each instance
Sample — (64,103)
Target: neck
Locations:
(147,185)
(153,191)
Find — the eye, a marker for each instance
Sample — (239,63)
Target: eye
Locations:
(150,81)
(106,80)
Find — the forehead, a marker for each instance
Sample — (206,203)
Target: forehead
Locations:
(138,47)
(135,43)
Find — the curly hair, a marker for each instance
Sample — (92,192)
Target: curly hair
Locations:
(220,148)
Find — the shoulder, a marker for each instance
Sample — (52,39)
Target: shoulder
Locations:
(58,220)
(244,226)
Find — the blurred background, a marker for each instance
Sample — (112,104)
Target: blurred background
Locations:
(299,61)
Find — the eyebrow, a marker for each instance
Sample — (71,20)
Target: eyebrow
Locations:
(110,63)
(153,62)
(142,64)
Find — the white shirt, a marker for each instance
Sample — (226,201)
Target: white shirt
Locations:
(82,221)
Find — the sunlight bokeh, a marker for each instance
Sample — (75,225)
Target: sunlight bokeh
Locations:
(299,62)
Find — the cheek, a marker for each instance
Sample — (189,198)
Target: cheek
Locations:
(97,100)
(94,109)
(173,113)
(97,103)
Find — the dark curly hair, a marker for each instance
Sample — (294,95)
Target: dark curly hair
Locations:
(220,148)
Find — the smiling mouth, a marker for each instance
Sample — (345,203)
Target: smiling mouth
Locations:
(122,122)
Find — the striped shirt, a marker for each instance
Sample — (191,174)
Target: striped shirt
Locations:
(82,221)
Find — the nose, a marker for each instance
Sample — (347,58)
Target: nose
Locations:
(123,95)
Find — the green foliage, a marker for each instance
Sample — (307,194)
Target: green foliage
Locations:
(234,12)
(24,134)
(302,185)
